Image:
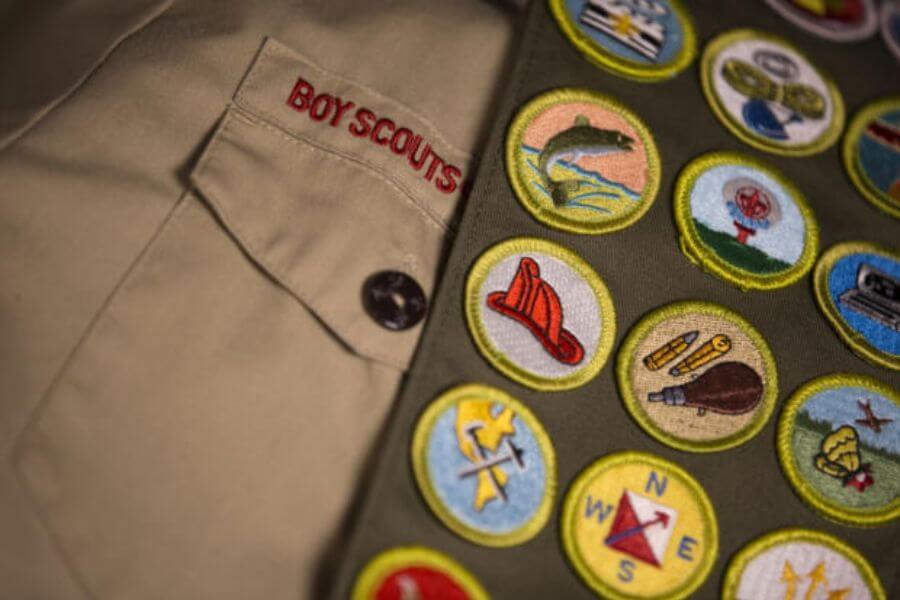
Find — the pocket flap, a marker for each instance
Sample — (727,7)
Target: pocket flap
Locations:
(320,223)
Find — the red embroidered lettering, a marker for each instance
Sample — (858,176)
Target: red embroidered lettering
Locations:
(341,109)
(404,134)
(448,183)
(363,124)
(435,162)
(301,95)
(402,141)
(382,123)
(321,107)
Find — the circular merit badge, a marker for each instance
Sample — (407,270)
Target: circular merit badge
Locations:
(416,572)
(697,376)
(857,286)
(582,162)
(744,221)
(485,465)
(642,39)
(872,154)
(800,563)
(540,314)
(839,444)
(890,26)
(769,95)
(637,526)
(835,20)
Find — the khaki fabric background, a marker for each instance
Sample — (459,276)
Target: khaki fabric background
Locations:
(644,269)
(190,387)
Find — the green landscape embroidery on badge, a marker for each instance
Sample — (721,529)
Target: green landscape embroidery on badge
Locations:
(846,445)
(738,253)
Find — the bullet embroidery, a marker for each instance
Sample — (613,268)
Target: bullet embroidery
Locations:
(416,572)
(857,287)
(581,162)
(744,222)
(637,526)
(871,154)
(769,95)
(647,40)
(799,564)
(697,376)
(539,314)
(839,445)
(849,21)
(485,465)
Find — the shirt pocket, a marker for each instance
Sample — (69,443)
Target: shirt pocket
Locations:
(320,224)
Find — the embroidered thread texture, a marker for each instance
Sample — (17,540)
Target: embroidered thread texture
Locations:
(871,154)
(647,40)
(582,162)
(416,572)
(697,376)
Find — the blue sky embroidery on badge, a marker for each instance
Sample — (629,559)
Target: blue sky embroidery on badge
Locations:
(864,288)
(647,32)
(839,444)
(485,465)
(744,221)
(641,39)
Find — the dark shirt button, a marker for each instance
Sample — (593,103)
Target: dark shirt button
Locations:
(394,300)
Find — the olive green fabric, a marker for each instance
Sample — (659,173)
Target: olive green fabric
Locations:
(644,269)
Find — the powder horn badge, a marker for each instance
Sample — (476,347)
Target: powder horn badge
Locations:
(697,376)
(539,314)
(839,445)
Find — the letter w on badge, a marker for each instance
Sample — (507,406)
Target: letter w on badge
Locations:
(486,441)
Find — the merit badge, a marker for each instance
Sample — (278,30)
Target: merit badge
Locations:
(485,465)
(839,444)
(637,526)
(835,20)
(641,39)
(540,314)
(744,221)
(890,26)
(857,286)
(416,573)
(582,162)
(800,564)
(872,154)
(769,95)
(697,377)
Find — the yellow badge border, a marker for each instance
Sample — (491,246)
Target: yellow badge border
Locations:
(860,346)
(419,448)
(400,557)
(828,137)
(699,253)
(617,65)
(523,245)
(573,499)
(851,157)
(553,218)
(745,555)
(841,514)
(626,358)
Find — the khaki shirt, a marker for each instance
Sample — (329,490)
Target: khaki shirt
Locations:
(193,196)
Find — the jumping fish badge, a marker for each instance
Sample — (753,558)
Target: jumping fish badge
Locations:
(571,144)
(478,432)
